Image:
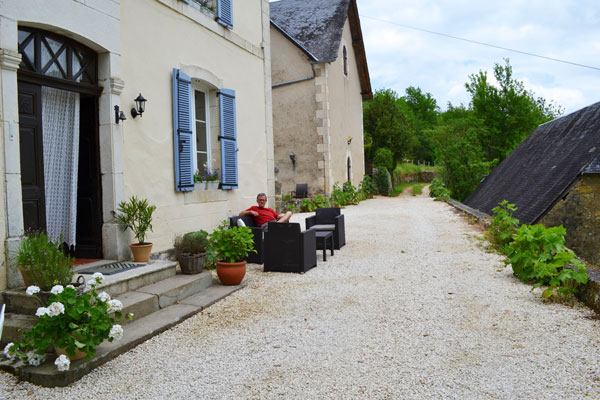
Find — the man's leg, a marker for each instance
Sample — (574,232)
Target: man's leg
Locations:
(285,217)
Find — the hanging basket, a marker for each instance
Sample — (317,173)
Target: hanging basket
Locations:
(191,263)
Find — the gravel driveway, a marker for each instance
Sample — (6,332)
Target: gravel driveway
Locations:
(412,307)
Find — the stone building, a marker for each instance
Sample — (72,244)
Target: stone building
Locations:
(70,71)
(553,178)
(320,79)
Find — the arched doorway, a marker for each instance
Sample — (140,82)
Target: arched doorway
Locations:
(58,119)
(349,168)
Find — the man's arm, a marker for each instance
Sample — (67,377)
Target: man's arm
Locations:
(246,212)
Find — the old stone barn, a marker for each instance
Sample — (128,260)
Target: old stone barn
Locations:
(553,177)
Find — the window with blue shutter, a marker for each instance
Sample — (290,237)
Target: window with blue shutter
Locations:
(228,139)
(225,13)
(182,132)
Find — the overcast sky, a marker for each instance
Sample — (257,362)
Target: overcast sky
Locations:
(399,57)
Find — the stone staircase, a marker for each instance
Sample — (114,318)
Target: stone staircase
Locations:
(157,295)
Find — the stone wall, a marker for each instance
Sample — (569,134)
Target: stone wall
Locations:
(579,213)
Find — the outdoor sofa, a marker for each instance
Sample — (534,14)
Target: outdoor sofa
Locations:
(325,219)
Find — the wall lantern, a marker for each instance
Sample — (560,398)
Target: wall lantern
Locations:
(119,115)
(349,139)
(293,158)
(140,105)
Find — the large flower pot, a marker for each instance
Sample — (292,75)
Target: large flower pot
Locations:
(25,276)
(231,274)
(78,353)
(191,263)
(141,252)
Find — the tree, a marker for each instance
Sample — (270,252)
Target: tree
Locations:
(389,123)
(509,112)
(426,111)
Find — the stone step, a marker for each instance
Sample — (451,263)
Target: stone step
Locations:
(136,332)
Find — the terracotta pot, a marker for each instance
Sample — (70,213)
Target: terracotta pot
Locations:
(231,274)
(78,353)
(141,252)
(25,276)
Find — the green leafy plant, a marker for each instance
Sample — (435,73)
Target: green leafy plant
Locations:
(70,322)
(43,262)
(231,244)
(308,205)
(381,179)
(502,226)
(367,187)
(136,215)
(438,190)
(417,188)
(538,255)
(320,201)
(191,243)
(286,197)
(384,158)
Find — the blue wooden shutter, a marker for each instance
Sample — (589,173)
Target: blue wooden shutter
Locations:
(182,132)
(225,13)
(228,138)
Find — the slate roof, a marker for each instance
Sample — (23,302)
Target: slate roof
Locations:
(316,25)
(542,168)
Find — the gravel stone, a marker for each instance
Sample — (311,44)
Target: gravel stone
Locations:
(412,307)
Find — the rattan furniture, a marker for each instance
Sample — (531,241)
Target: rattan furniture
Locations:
(287,249)
(329,216)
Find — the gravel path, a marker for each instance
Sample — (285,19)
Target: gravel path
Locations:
(412,307)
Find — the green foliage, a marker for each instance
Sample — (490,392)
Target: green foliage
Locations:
(320,201)
(231,244)
(286,197)
(307,205)
(438,190)
(137,216)
(191,243)
(416,188)
(426,113)
(367,187)
(43,261)
(381,180)
(503,226)
(384,158)
(388,122)
(85,322)
(538,254)
(344,196)
(409,172)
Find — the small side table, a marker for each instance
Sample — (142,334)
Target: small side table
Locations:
(326,237)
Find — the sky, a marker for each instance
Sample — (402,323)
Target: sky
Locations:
(399,57)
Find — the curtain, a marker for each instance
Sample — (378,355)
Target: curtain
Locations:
(60,126)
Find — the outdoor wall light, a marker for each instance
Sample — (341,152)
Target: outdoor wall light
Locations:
(293,158)
(140,105)
(349,139)
(119,115)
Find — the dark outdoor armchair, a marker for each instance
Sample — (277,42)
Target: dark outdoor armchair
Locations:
(289,250)
(330,216)
(257,232)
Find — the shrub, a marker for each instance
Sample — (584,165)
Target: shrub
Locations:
(231,244)
(381,179)
(438,190)
(367,187)
(191,243)
(503,226)
(321,201)
(384,158)
(137,216)
(307,205)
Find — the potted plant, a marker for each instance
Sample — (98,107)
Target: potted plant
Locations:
(74,324)
(190,251)
(230,247)
(199,182)
(137,216)
(42,262)
(212,179)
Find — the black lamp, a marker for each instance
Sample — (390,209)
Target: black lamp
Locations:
(140,105)
(119,115)
(293,158)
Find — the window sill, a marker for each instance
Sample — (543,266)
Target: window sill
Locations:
(204,195)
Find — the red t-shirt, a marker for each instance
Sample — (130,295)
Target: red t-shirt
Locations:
(265,214)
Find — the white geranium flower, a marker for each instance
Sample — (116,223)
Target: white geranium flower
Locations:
(62,363)
(31,290)
(104,297)
(70,286)
(41,311)
(98,277)
(116,332)
(57,289)
(92,283)
(114,305)
(55,309)
(35,359)
(7,351)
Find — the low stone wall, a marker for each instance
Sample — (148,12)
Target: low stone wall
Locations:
(422,176)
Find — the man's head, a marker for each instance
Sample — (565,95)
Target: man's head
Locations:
(261,199)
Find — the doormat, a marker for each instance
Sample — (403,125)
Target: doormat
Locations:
(111,269)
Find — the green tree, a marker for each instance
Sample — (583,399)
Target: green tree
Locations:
(509,112)
(426,111)
(389,123)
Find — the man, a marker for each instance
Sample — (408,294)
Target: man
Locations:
(262,214)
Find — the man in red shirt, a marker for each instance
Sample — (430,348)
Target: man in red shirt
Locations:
(263,214)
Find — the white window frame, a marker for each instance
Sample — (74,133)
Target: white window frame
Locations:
(206,91)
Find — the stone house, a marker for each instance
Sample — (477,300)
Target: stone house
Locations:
(74,146)
(320,79)
(553,178)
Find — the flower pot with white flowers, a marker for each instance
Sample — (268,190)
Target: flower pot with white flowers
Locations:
(136,214)
(230,246)
(74,324)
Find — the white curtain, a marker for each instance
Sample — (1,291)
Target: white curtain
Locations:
(60,126)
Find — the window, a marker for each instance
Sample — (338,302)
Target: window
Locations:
(202,130)
(345,54)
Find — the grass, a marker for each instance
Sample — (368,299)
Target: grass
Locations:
(417,188)
(414,168)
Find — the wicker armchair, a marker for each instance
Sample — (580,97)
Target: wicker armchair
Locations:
(257,232)
(330,216)
(289,250)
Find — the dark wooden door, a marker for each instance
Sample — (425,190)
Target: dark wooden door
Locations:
(32,156)
(89,207)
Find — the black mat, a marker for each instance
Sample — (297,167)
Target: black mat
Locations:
(111,269)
